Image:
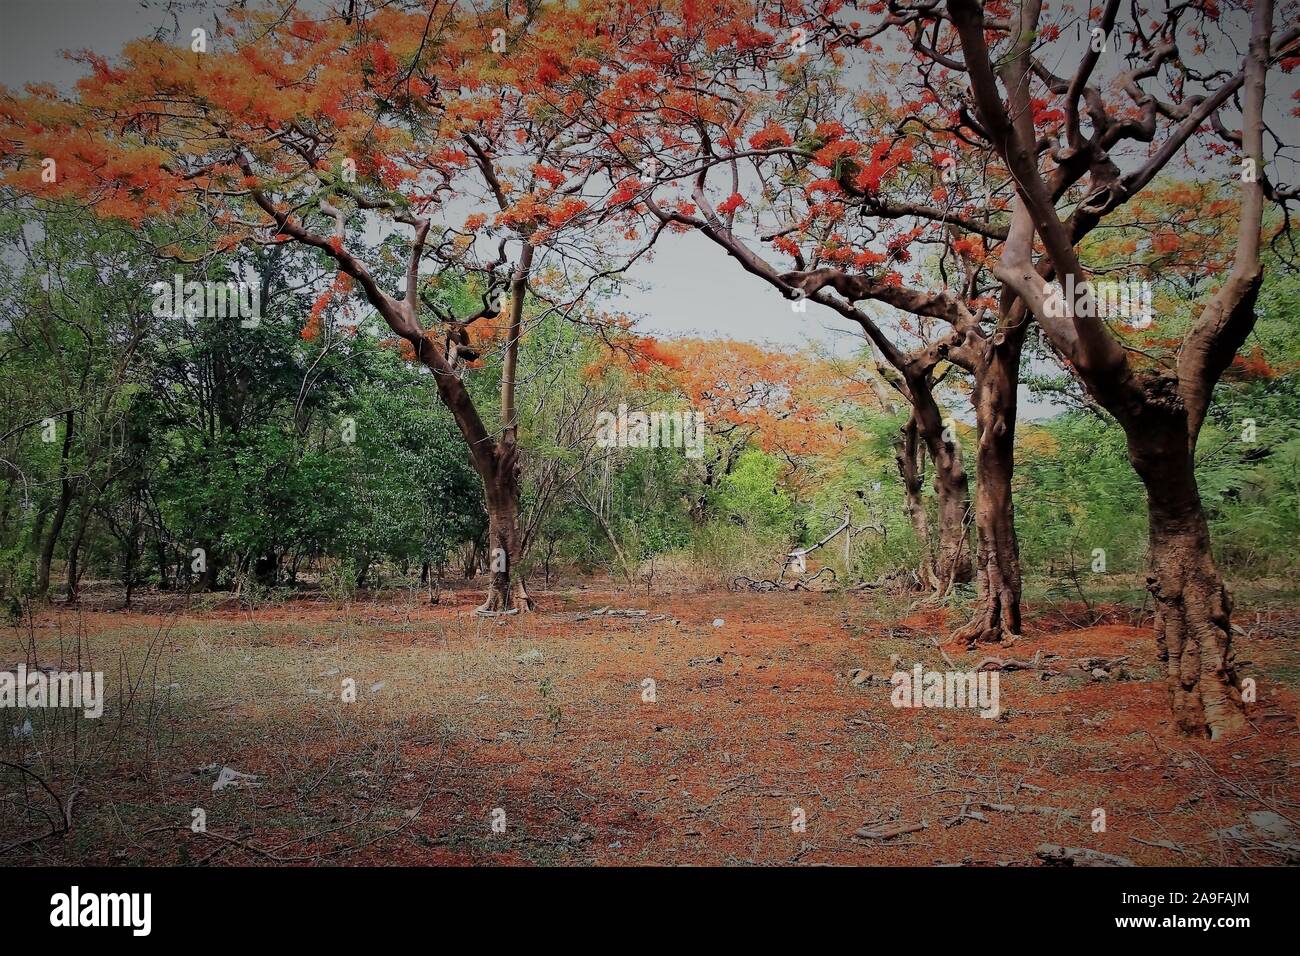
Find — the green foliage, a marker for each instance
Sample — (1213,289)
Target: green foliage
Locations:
(1076,490)
(273,453)
(414,493)
(1248,468)
(329,458)
(867,482)
(753,496)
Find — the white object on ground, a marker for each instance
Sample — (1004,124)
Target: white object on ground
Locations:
(234,778)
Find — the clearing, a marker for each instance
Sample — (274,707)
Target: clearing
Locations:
(540,724)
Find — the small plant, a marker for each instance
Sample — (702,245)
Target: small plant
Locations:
(554,715)
(338,583)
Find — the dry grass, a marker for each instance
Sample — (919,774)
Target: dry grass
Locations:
(542,716)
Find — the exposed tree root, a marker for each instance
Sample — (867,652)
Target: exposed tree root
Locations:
(503,599)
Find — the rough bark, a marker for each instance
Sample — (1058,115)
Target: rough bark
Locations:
(998,550)
(501,483)
(1192,606)
(1193,628)
(951,490)
(504,543)
(909,456)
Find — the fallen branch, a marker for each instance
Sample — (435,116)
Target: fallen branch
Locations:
(1012,808)
(1054,854)
(797,555)
(1010,664)
(884,831)
(1162,844)
(64,824)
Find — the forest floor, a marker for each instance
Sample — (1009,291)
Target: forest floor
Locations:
(540,724)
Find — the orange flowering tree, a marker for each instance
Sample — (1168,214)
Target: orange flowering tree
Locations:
(783,402)
(757,136)
(861,151)
(418,139)
(1079,145)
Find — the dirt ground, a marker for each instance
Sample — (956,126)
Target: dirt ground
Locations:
(537,739)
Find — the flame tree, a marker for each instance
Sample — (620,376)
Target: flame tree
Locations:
(398,142)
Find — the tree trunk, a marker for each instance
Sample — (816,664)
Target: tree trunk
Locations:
(210,576)
(997,378)
(60,513)
(52,539)
(500,472)
(74,550)
(164,568)
(37,540)
(951,488)
(952,491)
(911,469)
(129,548)
(504,550)
(1193,631)
(1193,608)
(546,562)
